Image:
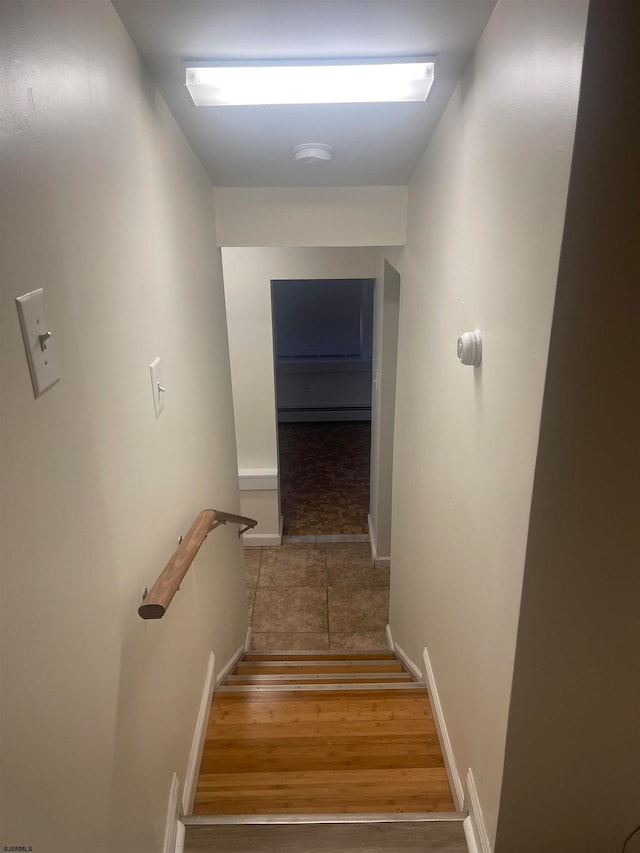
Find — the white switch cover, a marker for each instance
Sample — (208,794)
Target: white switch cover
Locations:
(156,386)
(38,341)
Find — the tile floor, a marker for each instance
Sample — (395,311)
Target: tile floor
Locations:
(324,477)
(316,596)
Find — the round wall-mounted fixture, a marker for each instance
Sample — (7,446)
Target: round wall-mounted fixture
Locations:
(312,153)
(470,348)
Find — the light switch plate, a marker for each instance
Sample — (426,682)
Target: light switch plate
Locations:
(156,386)
(38,341)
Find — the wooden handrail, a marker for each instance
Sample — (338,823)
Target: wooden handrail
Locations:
(159,597)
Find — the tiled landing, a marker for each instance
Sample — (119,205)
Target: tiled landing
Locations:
(316,596)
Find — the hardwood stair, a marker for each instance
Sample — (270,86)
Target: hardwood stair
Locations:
(322,751)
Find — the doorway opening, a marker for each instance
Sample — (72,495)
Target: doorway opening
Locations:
(322,338)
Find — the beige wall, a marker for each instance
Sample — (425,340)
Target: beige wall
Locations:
(571,780)
(485,217)
(105,207)
(315,216)
(385,350)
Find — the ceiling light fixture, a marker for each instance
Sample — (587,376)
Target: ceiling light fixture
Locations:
(312,153)
(343,82)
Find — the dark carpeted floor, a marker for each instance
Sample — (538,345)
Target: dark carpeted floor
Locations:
(324,477)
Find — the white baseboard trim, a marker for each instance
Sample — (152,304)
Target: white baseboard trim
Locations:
(247,642)
(254,540)
(469,836)
(449,760)
(406,660)
(372,539)
(197,744)
(376,561)
(387,630)
(173,814)
(229,665)
(476,817)
(180,834)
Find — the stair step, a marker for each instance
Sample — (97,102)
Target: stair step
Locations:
(443,833)
(316,819)
(311,655)
(318,677)
(335,686)
(350,661)
(312,666)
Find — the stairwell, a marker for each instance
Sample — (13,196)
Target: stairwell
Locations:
(322,751)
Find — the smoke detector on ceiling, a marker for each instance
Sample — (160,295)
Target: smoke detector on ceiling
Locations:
(312,153)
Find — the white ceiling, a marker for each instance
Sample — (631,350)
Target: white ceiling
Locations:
(374,144)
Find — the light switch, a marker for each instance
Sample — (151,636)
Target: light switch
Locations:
(38,341)
(157,387)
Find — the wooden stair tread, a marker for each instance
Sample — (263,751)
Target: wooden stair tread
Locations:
(306,692)
(397,753)
(326,706)
(284,667)
(371,790)
(323,729)
(348,688)
(311,655)
(320,678)
(309,676)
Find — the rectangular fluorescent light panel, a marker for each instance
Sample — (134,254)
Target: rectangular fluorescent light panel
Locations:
(249,85)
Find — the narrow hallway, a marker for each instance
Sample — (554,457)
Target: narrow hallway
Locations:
(149,230)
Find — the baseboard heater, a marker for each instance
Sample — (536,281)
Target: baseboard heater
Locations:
(324,413)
